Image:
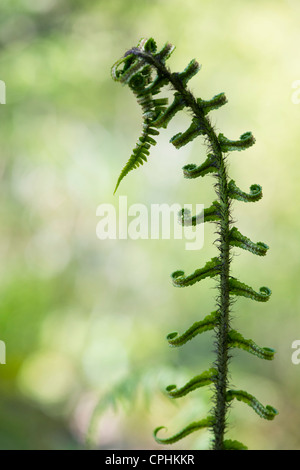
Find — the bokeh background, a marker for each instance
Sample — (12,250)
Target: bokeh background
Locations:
(85,320)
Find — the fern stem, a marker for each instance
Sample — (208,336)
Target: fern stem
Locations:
(223,319)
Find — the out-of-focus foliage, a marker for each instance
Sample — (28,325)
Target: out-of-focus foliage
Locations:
(85,320)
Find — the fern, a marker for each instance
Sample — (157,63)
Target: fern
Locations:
(144,70)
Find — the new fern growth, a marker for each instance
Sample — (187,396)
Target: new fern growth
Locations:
(144,70)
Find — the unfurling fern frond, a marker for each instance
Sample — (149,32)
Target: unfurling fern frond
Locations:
(238,288)
(236,193)
(266,412)
(246,140)
(207,324)
(211,269)
(236,340)
(143,69)
(138,75)
(206,378)
(192,171)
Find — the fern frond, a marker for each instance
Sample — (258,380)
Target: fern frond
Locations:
(143,69)
(139,153)
(192,171)
(137,73)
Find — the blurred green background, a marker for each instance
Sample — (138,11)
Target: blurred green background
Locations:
(85,320)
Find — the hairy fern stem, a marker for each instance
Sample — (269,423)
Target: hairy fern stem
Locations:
(135,69)
(224,308)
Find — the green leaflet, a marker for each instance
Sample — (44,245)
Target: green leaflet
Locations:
(155,86)
(234,445)
(215,103)
(190,71)
(164,53)
(227,145)
(236,340)
(191,170)
(139,153)
(207,324)
(209,214)
(206,378)
(183,138)
(195,426)
(149,45)
(266,412)
(212,213)
(211,269)
(236,193)
(166,116)
(239,240)
(132,64)
(238,288)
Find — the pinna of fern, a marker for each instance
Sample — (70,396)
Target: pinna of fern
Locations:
(143,69)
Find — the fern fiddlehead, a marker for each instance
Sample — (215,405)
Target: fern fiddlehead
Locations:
(143,69)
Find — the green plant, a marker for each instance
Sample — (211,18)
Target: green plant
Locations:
(143,69)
